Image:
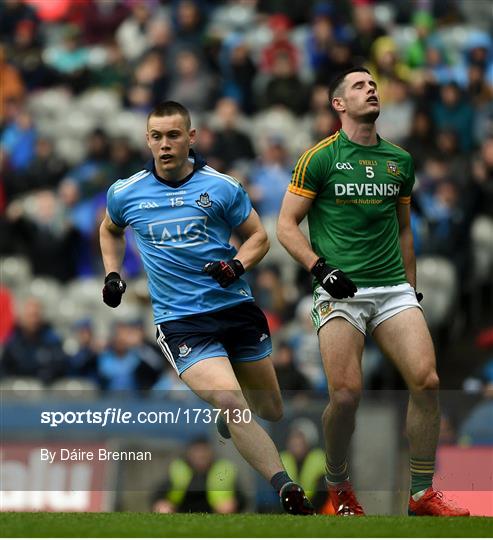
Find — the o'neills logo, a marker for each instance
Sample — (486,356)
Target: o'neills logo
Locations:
(367,190)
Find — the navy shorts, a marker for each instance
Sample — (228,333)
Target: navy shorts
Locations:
(240,332)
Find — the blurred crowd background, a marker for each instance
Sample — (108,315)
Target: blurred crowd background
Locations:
(77,79)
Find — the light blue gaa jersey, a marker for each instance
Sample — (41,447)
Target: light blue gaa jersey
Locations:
(179,228)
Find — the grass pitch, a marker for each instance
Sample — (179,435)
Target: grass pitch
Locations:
(133,524)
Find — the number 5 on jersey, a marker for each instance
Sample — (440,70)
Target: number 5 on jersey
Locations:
(370,173)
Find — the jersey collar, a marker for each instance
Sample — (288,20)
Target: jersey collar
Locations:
(198,163)
(347,139)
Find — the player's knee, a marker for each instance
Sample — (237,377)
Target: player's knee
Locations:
(229,401)
(345,399)
(272,411)
(426,381)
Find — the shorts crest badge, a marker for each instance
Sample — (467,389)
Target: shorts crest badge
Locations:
(204,200)
(325,308)
(184,350)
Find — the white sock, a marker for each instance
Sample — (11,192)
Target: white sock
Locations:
(418,495)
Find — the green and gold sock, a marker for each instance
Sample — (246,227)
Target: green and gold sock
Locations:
(422,471)
(337,473)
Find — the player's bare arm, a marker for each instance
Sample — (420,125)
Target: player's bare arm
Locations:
(294,209)
(112,241)
(255,241)
(406,241)
(254,247)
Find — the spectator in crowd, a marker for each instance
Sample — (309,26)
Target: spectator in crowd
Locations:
(416,52)
(189,25)
(18,141)
(124,159)
(295,10)
(320,38)
(199,482)
(453,111)
(91,175)
(292,382)
(482,176)
(160,36)
(150,83)
(191,85)
(280,45)
(70,59)
(151,359)
(304,342)
(84,362)
(238,71)
(132,35)
(449,220)
(101,19)
(386,66)
(26,55)
(269,177)
(44,235)
(119,362)
(45,171)
(270,294)
(323,124)
(13,13)
(115,74)
(447,143)
(232,143)
(479,53)
(396,114)
(421,139)
(305,461)
(34,349)
(284,87)
(207,146)
(11,84)
(340,59)
(366,30)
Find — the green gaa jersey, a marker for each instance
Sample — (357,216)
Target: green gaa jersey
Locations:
(353,219)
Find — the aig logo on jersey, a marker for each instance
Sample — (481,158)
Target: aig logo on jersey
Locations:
(344,166)
(179,233)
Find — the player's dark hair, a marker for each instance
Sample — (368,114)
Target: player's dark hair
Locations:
(169,108)
(339,79)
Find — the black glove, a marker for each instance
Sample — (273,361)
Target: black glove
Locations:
(113,289)
(419,296)
(333,280)
(224,272)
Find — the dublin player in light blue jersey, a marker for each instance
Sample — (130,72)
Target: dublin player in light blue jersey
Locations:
(209,328)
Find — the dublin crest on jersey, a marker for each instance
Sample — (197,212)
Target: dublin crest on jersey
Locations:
(204,200)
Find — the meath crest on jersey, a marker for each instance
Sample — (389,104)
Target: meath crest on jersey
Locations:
(204,200)
(392,168)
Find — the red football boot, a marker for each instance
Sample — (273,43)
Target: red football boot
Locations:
(433,503)
(343,500)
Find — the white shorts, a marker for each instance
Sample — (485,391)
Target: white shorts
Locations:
(369,307)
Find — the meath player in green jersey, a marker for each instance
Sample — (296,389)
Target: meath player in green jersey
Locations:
(355,188)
